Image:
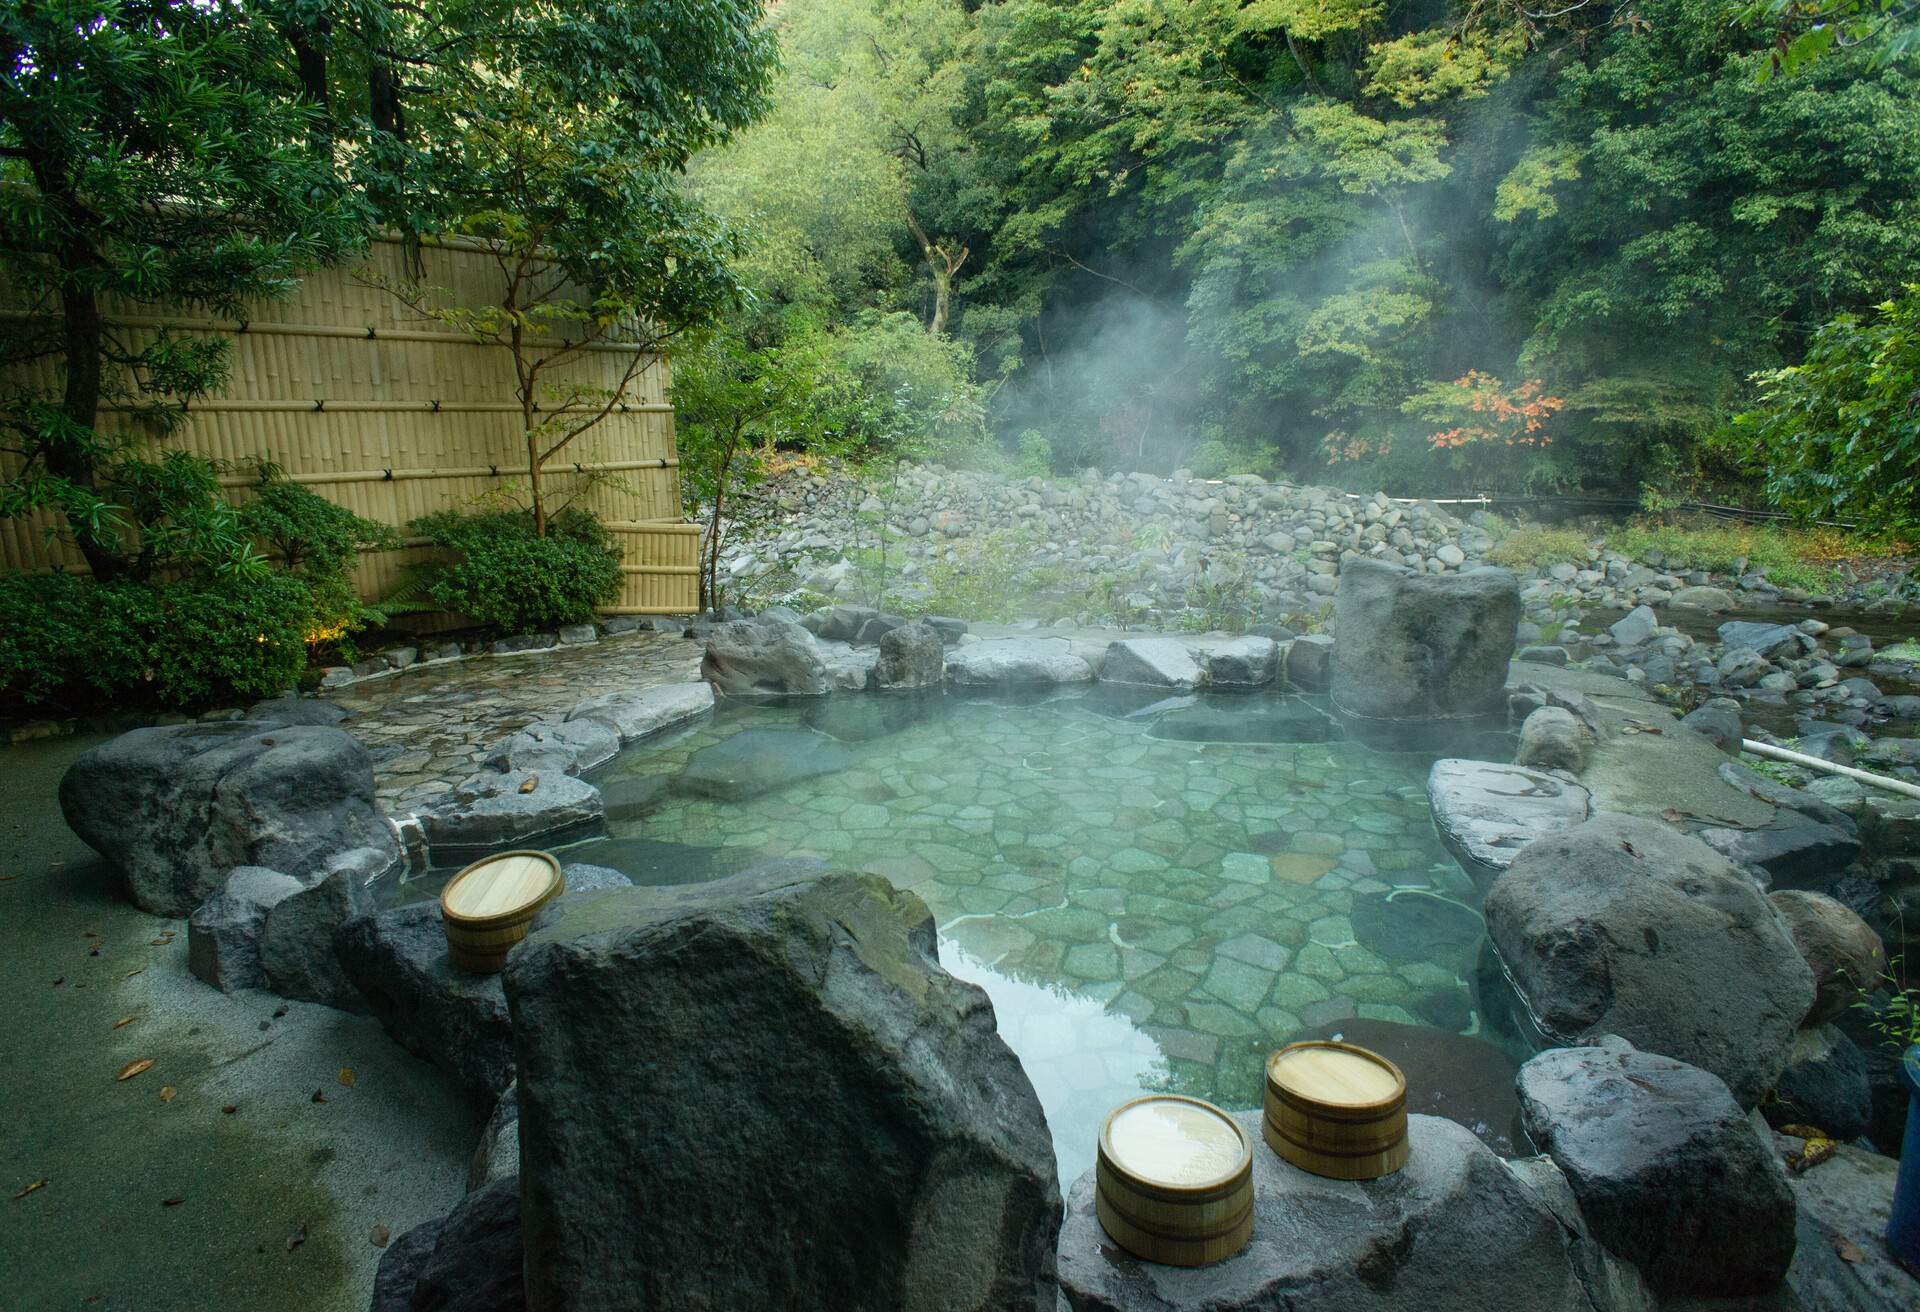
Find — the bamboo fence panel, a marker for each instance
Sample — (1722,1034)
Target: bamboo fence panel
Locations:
(392,415)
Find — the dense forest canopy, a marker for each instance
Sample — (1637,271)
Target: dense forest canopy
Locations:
(1439,246)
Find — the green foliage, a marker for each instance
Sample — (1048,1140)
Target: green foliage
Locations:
(309,536)
(511,577)
(1896,1017)
(1790,559)
(989,581)
(153,154)
(66,639)
(1838,435)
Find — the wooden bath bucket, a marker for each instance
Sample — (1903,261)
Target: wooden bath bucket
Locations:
(487,907)
(1336,1110)
(1173,1181)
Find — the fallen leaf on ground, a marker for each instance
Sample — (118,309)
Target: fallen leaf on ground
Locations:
(278,1012)
(1804,1131)
(1815,1152)
(130,974)
(166,1093)
(379,1236)
(319,1095)
(124,1020)
(347,1076)
(133,1068)
(62,980)
(297,1238)
(533,782)
(175,1201)
(41,1183)
(8,879)
(1846,1250)
(158,942)
(229,1109)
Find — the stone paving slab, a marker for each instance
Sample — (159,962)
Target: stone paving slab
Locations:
(429,727)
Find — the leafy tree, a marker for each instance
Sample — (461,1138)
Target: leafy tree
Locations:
(1837,436)
(151,158)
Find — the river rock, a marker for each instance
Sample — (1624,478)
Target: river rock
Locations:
(296,942)
(1552,738)
(1703,597)
(467,1261)
(223,934)
(1635,627)
(1485,813)
(1249,661)
(1423,646)
(764,656)
(1455,1230)
(1156,662)
(1718,721)
(1668,1170)
(176,808)
(1844,954)
(511,810)
(911,656)
(1624,926)
(1791,852)
(1015,661)
(862,719)
(296,710)
(636,715)
(822,1103)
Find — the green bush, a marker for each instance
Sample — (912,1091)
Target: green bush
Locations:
(66,639)
(1838,435)
(509,577)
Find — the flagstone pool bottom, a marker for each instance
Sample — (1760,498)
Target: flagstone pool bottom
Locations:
(1145,914)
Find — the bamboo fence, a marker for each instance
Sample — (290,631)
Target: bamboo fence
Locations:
(392,415)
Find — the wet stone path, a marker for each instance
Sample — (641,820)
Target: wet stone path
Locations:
(429,726)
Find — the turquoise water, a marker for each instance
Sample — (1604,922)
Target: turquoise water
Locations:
(1146,913)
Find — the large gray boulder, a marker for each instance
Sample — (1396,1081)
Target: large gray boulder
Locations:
(1846,957)
(1625,926)
(1718,721)
(911,656)
(763,656)
(1552,738)
(492,809)
(456,1020)
(1249,661)
(1016,661)
(296,942)
(223,934)
(1309,663)
(1455,1230)
(467,1261)
(775,1068)
(1157,662)
(177,808)
(1422,646)
(1825,1084)
(1669,1171)
(1486,813)
(635,715)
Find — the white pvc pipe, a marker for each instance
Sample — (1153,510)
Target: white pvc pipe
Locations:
(1831,767)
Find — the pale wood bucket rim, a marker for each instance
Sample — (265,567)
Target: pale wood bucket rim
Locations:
(1397,1098)
(1216,1184)
(556,884)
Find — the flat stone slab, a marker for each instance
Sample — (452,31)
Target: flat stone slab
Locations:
(497,810)
(1453,1231)
(636,715)
(1844,1204)
(756,761)
(1486,812)
(1159,662)
(1016,661)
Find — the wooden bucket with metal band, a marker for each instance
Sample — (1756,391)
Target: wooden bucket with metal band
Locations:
(1336,1110)
(487,907)
(1173,1181)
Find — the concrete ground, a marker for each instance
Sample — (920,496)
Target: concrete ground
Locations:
(217,1178)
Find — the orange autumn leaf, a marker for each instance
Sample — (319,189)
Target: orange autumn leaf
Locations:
(133,1068)
(124,1020)
(41,1183)
(347,1076)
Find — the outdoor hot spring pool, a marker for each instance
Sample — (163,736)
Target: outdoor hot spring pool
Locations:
(1150,908)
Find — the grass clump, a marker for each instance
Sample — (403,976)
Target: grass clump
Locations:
(1534,545)
(1792,558)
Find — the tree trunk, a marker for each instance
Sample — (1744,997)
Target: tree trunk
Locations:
(710,584)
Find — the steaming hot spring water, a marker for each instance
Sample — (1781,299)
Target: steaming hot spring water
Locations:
(1156,892)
